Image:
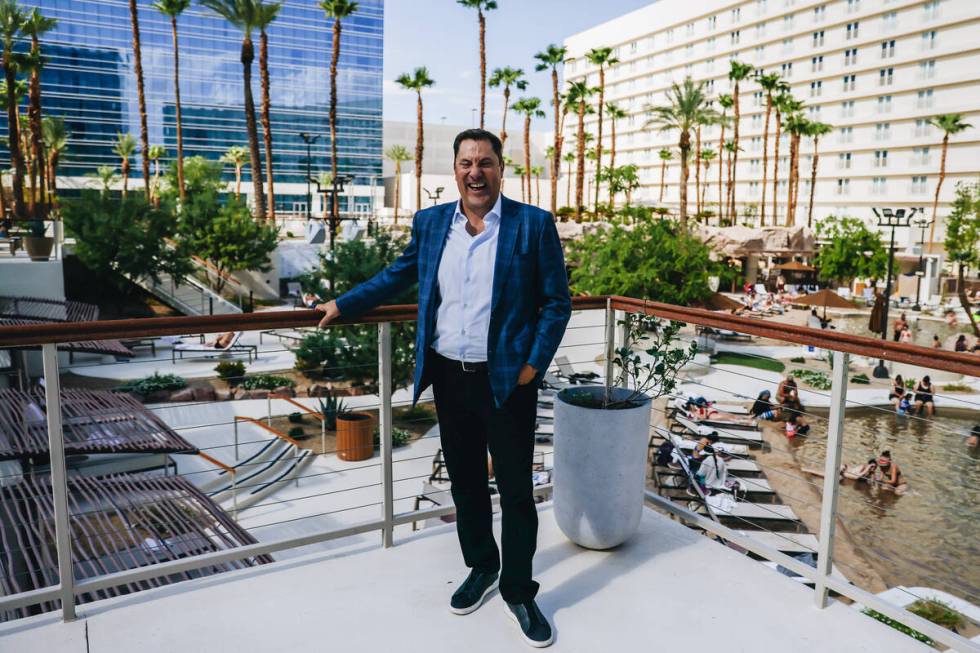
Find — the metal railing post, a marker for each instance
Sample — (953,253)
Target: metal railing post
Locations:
(610,339)
(831,478)
(268,409)
(59,480)
(236,440)
(384,426)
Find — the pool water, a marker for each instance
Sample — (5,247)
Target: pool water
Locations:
(929,536)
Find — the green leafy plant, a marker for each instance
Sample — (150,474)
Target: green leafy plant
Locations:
(295,418)
(266,382)
(911,383)
(330,407)
(230,371)
(297,433)
(842,255)
(154,383)
(417,413)
(798,359)
(813,378)
(902,628)
(938,612)
(861,379)
(748,360)
(399,437)
(957,387)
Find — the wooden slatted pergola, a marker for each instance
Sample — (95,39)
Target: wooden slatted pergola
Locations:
(27,311)
(117,522)
(93,422)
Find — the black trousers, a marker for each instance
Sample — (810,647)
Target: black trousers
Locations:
(469,424)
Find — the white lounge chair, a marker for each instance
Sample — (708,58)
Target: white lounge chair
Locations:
(203,350)
(725,433)
(567,372)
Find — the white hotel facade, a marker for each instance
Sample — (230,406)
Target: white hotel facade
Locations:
(876,70)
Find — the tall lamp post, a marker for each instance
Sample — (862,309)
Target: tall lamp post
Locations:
(921,222)
(889,218)
(434,197)
(309,140)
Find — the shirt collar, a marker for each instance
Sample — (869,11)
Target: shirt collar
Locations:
(491,217)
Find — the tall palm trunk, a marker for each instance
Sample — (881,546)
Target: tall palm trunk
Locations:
(418,156)
(935,201)
(180,120)
(238,181)
(556,155)
(721,161)
(334,58)
(964,300)
(524,190)
(140,95)
(568,186)
(813,181)
(52,184)
(734,168)
(685,147)
(796,176)
(398,187)
(663,174)
(612,157)
(697,169)
(775,170)
(580,161)
(125,175)
(266,119)
(765,163)
(794,152)
(37,147)
(13,138)
(598,146)
(483,65)
(503,125)
(537,188)
(248,56)
(527,151)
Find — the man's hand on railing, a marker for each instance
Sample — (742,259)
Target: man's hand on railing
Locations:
(331,312)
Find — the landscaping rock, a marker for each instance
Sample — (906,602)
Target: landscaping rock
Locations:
(157,396)
(224,395)
(187,394)
(204,393)
(285,391)
(254,394)
(316,390)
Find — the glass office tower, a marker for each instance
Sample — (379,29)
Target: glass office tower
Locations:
(89,79)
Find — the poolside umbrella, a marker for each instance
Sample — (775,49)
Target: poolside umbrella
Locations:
(795,266)
(824,298)
(719,302)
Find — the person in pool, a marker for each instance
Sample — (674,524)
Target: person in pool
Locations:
(898,391)
(905,405)
(888,471)
(923,397)
(973,439)
(763,408)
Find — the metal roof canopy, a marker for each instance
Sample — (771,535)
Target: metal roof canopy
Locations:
(117,523)
(94,422)
(25,311)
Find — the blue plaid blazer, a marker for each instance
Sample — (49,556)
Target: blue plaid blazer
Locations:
(530,303)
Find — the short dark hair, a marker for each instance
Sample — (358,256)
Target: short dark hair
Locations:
(479,135)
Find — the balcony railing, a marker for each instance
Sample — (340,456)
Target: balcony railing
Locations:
(840,345)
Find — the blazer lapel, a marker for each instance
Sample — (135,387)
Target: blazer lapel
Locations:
(510,223)
(438,244)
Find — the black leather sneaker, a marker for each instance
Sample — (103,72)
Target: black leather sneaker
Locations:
(473,592)
(535,627)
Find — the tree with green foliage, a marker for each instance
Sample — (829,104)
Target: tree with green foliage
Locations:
(124,237)
(507,77)
(849,250)
(963,240)
(655,259)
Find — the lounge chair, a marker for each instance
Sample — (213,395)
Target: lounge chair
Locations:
(686,444)
(567,372)
(204,350)
(683,424)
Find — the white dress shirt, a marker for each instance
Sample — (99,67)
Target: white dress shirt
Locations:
(466,287)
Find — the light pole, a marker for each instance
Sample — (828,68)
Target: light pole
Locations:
(921,222)
(889,218)
(309,140)
(435,197)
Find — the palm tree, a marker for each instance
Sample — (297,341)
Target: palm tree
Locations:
(55,136)
(702,122)
(521,172)
(11,21)
(737,72)
(125,147)
(173,9)
(537,171)
(336,10)
(795,125)
(665,155)
(481,6)
(726,102)
(552,57)
(578,96)
(729,149)
(949,123)
(815,130)
(398,154)
(507,77)
(246,15)
(107,177)
(237,156)
(569,158)
(707,156)
(155,154)
(615,113)
(265,14)
(35,26)
(784,105)
(687,106)
(418,80)
(140,98)
(772,84)
(601,57)
(531,108)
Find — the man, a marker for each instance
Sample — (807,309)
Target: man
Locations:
(493,305)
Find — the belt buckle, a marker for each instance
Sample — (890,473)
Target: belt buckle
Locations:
(463,365)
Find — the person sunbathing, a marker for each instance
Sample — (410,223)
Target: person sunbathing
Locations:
(863,472)
(223,341)
(700,409)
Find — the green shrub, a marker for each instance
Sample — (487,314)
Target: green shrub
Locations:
(230,371)
(266,382)
(318,354)
(938,613)
(330,407)
(798,359)
(818,380)
(297,433)
(957,387)
(153,383)
(295,418)
(911,383)
(417,413)
(399,437)
(911,632)
(861,379)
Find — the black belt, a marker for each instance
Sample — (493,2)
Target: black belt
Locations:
(462,366)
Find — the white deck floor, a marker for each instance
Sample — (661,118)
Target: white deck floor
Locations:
(668,589)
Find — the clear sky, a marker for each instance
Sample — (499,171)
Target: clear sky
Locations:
(443,36)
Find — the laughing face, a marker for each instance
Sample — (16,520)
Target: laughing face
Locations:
(478,173)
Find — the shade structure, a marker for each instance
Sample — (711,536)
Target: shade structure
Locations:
(719,302)
(795,266)
(826,298)
(24,311)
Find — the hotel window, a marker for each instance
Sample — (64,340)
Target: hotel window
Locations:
(709,65)
(884,104)
(756,120)
(756,143)
(814,112)
(787,69)
(888,49)
(846,136)
(633,46)
(760,7)
(882,131)
(844,160)
(787,46)
(755,166)
(843,186)
(710,85)
(886,76)
(852,30)
(881,158)
(847,109)
(849,81)
(688,70)
(760,51)
(736,37)
(920,156)
(711,44)
(931,9)
(929,40)
(690,29)
(736,14)
(819,13)
(712,22)
(689,50)
(815,88)
(889,21)
(924,99)
(853,6)
(816,64)
(787,22)
(927,69)
(670,35)
(850,57)
(921,127)
(919,183)
(757,99)
(878,186)
(760,30)
(818,39)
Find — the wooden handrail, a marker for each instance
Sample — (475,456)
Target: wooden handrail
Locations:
(215,461)
(279,434)
(308,411)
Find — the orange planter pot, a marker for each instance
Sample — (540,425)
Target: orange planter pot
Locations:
(355,436)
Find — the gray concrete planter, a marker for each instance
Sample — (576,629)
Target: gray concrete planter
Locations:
(600,468)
